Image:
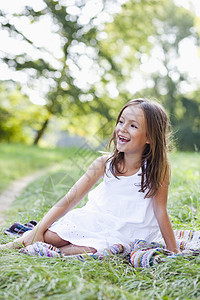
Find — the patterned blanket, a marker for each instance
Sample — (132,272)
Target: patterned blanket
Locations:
(139,253)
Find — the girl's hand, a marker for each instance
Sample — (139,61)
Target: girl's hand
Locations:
(30,237)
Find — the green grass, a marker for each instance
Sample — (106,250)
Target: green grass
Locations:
(24,277)
(184,193)
(18,160)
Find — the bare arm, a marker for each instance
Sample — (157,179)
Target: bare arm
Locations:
(160,210)
(70,200)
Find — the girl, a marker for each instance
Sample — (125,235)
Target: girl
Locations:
(131,202)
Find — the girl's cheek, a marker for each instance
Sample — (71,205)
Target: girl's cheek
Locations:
(116,128)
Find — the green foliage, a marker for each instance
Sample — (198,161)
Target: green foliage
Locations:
(63,88)
(115,49)
(174,25)
(188,124)
(130,31)
(65,95)
(27,277)
(10,127)
(6,132)
(187,138)
(19,118)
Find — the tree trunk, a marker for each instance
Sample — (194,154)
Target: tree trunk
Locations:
(41,132)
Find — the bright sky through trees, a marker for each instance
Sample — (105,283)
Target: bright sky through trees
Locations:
(41,34)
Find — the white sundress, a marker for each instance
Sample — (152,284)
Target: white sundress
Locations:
(115,213)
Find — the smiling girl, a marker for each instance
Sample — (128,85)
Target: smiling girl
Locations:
(130,203)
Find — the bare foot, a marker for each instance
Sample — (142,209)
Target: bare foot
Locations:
(6,246)
(16,244)
(76,250)
(2,247)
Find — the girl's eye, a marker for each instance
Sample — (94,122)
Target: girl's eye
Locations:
(120,121)
(132,125)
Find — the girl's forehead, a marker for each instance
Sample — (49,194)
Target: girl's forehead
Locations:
(133,112)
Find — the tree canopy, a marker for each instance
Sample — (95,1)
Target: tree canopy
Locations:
(96,48)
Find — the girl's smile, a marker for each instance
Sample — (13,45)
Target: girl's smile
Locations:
(123,139)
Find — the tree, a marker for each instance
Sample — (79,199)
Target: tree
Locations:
(18,117)
(175,26)
(178,26)
(77,41)
(81,43)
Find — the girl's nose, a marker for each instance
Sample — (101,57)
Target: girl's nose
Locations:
(124,127)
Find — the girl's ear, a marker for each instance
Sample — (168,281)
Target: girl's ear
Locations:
(147,141)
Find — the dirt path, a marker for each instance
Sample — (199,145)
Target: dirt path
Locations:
(14,190)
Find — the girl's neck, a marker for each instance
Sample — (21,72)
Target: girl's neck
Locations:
(130,165)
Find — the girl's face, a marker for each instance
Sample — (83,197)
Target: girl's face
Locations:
(130,131)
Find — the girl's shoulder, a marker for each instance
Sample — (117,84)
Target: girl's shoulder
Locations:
(100,163)
(97,168)
(102,160)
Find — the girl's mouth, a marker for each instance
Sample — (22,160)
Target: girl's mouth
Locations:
(123,139)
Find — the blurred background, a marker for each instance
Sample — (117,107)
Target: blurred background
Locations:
(68,66)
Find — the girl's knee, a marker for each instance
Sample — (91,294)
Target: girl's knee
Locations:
(92,250)
(49,236)
(52,238)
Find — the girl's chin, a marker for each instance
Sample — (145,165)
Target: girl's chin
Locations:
(119,149)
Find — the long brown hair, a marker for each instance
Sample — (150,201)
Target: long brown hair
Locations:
(154,164)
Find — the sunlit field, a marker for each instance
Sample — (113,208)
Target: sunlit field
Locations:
(17,160)
(24,277)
